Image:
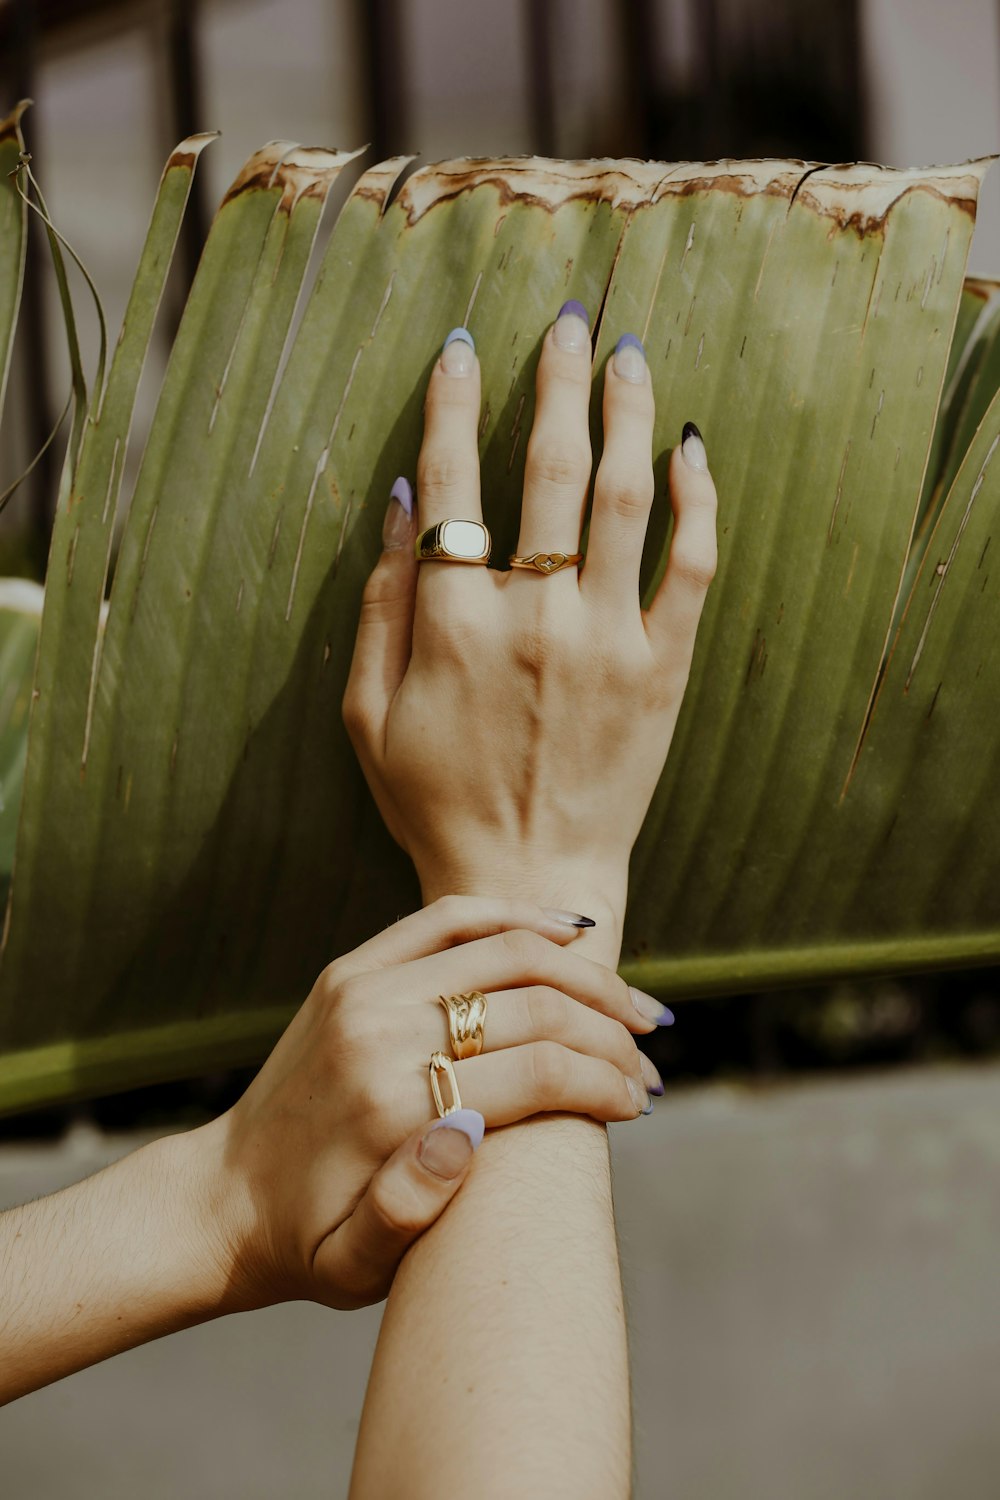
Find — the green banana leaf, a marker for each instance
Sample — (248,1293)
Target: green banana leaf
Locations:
(195,838)
(20,617)
(13,238)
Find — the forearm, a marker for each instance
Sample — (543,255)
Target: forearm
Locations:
(105,1265)
(502,1364)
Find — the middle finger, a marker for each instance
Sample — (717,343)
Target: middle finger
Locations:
(518,958)
(558,460)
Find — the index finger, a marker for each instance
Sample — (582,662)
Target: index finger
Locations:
(518,958)
(448,465)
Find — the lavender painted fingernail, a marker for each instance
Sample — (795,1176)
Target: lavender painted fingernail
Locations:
(468,1120)
(458,354)
(630,359)
(447,1146)
(398,517)
(402,491)
(650,1009)
(650,1075)
(640,1096)
(572,328)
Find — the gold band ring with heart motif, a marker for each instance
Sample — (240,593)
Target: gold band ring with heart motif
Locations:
(466,1019)
(547,562)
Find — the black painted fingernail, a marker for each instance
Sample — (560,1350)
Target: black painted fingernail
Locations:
(573,918)
(693,448)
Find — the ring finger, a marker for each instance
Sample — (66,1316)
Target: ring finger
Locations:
(623,487)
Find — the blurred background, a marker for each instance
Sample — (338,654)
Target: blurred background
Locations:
(809,1220)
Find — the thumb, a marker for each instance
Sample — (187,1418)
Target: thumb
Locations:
(355,1265)
(385,627)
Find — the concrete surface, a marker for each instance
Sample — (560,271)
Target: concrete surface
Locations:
(812,1292)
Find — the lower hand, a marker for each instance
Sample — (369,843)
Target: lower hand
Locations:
(322,1173)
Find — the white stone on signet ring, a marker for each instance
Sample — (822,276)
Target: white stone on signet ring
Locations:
(464,538)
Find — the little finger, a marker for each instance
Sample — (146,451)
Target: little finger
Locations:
(673,617)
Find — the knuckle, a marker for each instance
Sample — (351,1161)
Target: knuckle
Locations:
(528,950)
(443,473)
(558,467)
(356,713)
(453,910)
(382,602)
(328,986)
(546,1012)
(372,1106)
(346,1015)
(629,492)
(533,650)
(549,1065)
(695,567)
(396,1211)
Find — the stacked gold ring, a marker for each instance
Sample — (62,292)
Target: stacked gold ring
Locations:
(466,1019)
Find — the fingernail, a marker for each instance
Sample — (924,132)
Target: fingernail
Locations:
(571,918)
(448,1144)
(650,1009)
(572,328)
(651,1077)
(458,357)
(630,359)
(643,1102)
(693,448)
(399,517)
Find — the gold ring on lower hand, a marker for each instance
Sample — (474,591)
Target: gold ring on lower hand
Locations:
(466,1019)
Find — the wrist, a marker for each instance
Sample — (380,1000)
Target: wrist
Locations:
(209,1217)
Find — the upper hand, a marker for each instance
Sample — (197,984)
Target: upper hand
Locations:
(512,726)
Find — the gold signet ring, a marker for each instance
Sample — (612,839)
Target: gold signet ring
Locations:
(466,1019)
(454,541)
